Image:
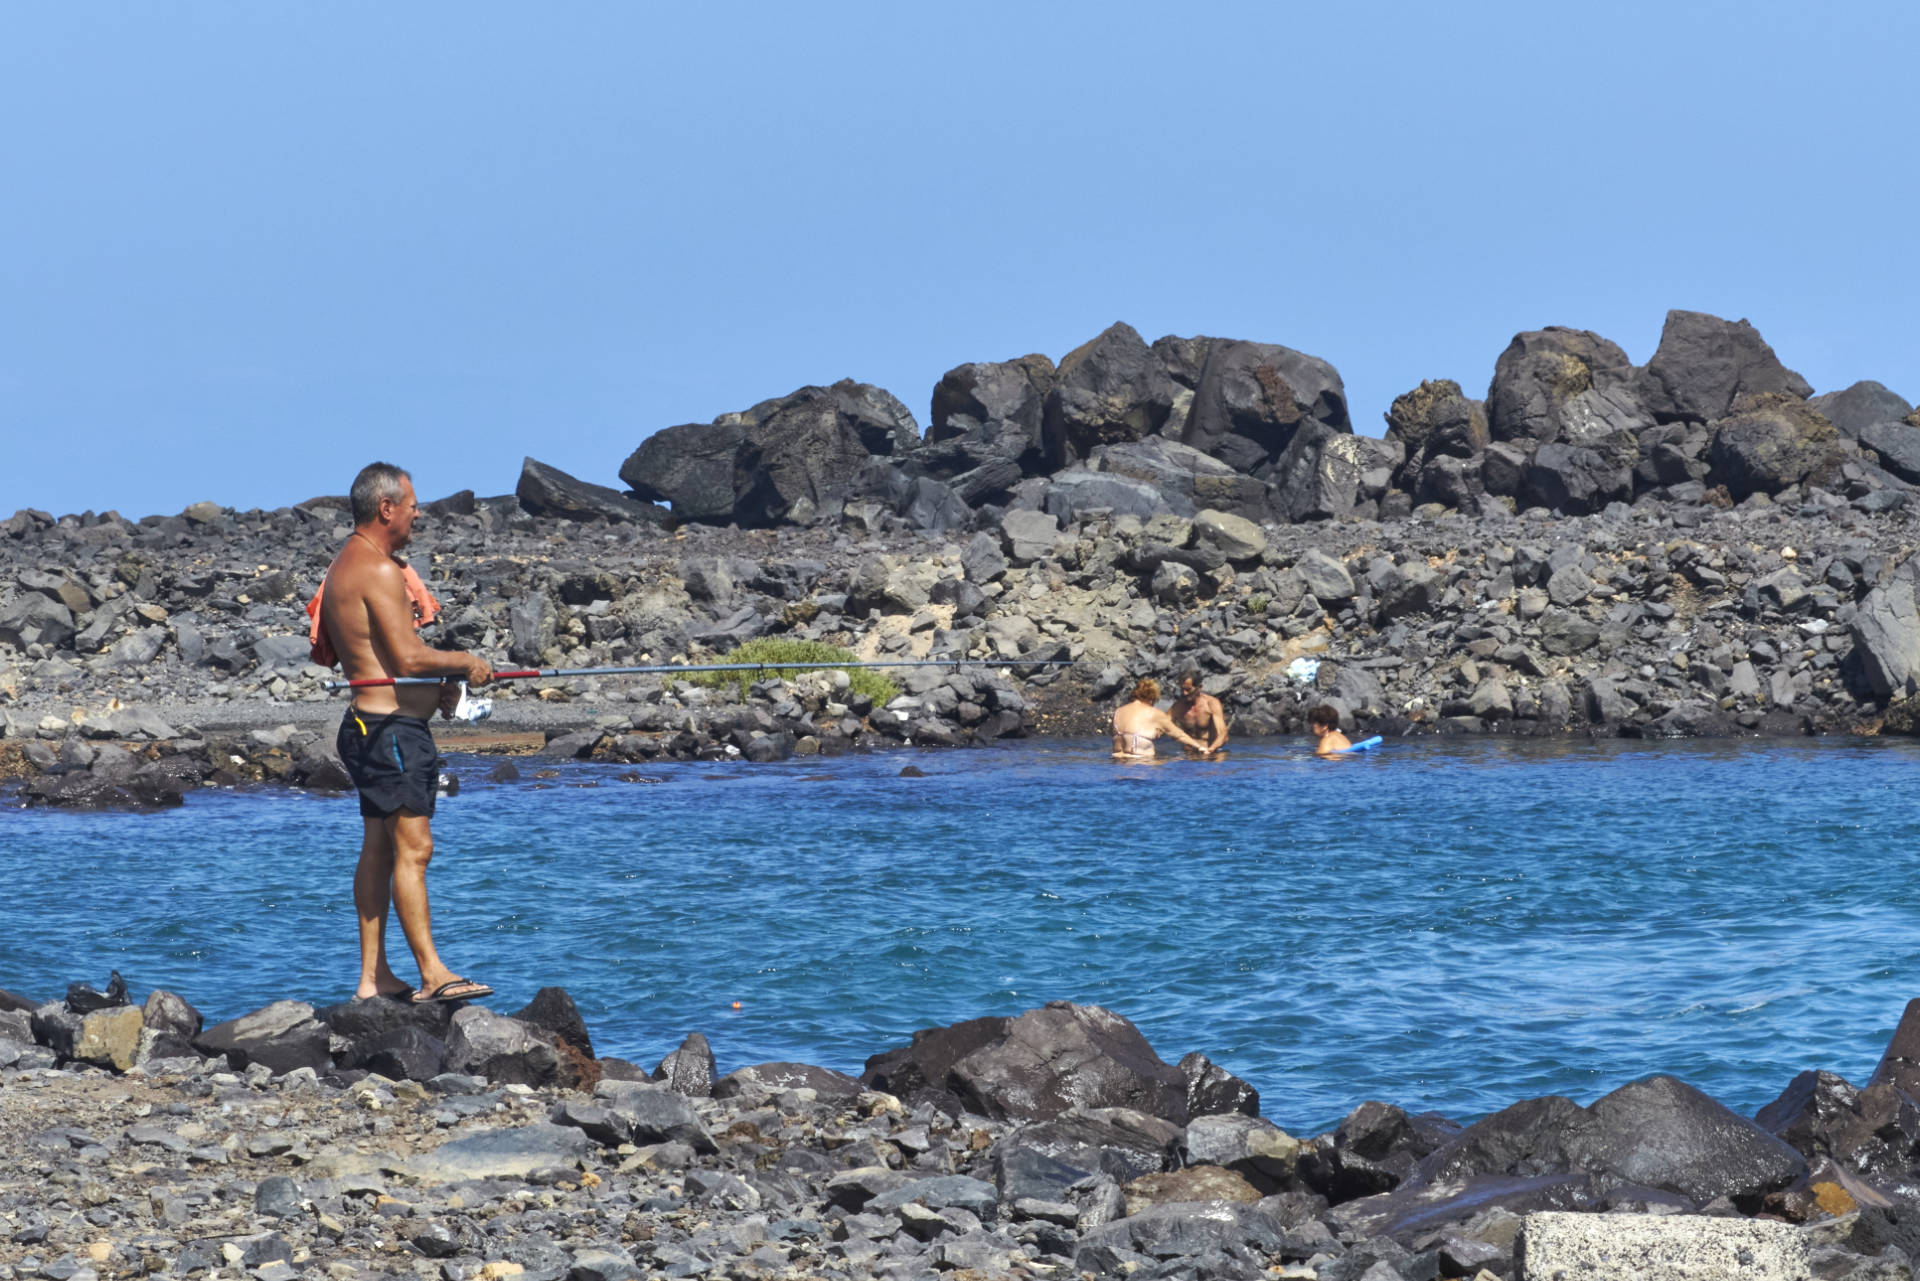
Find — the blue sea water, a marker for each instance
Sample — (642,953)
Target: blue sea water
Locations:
(1448,925)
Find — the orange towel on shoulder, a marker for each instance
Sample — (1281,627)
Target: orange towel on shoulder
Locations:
(425,607)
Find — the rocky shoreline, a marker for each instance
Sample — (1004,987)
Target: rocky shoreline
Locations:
(373,1138)
(1694,547)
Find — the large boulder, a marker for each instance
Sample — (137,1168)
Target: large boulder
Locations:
(1886,637)
(1317,477)
(33,619)
(788,459)
(1896,444)
(503,1050)
(1077,491)
(1253,397)
(1704,363)
(1853,409)
(988,411)
(1434,419)
(1558,384)
(1111,389)
(690,467)
(802,454)
(1662,1133)
(1039,1065)
(548,491)
(283,1036)
(1189,480)
(1577,480)
(1769,442)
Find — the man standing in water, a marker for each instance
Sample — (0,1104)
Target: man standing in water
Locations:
(369,607)
(1199,714)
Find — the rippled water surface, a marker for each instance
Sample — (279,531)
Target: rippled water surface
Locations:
(1448,925)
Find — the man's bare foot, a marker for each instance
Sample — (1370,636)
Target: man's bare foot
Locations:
(385,985)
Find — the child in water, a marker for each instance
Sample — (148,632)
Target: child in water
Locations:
(1324,724)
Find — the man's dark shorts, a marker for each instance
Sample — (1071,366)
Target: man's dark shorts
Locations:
(392,760)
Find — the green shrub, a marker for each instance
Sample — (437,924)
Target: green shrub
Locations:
(773,650)
(1256,604)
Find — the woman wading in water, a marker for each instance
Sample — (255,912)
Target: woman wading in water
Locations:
(1138,723)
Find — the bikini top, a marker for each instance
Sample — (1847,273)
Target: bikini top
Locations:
(320,645)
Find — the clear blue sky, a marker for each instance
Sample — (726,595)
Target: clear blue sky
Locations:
(246,248)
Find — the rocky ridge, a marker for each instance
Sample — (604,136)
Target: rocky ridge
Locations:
(1692,547)
(372,1138)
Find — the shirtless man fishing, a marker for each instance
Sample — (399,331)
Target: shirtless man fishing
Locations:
(1199,714)
(369,607)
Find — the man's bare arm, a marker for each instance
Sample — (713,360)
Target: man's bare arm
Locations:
(391,616)
(1219,726)
(1165,724)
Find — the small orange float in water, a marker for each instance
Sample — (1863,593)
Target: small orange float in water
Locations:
(736,1005)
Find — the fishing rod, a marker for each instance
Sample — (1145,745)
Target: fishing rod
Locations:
(662,669)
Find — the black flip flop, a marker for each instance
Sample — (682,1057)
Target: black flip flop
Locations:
(444,994)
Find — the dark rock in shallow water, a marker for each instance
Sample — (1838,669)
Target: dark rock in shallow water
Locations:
(1810,1112)
(1036,1066)
(282,1036)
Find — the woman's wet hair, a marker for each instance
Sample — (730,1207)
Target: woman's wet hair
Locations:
(1324,715)
(1147,691)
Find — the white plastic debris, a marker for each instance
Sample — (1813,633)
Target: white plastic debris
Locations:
(1303,669)
(470,708)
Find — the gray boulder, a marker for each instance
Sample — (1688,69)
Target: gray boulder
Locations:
(689,1070)
(1189,479)
(1041,1064)
(503,1050)
(1252,398)
(33,619)
(803,455)
(1238,538)
(1772,441)
(548,491)
(1559,384)
(502,1154)
(1704,363)
(1886,637)
(1078,490)
(1326,578)
(1856,408)
(1662,1133)
(690,467)
(774,1078)
(1434,420)
(1898,446)
(1108,390)
(1317,476)
(283,1036)
(983,412)
(1028,536)
(1578,480)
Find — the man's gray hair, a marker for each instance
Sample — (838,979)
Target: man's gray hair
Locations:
(375,483)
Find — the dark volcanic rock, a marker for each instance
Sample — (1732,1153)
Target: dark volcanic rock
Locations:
(1317,476)
(802,454)
(1577,480)
(1704,363)
(548,491)
(1108,390)
(552,1009)
(283,1036)
(1662,1133)
(1860,406)
(1558,384)
(1770,442)
(985,412)
(689,1070)
(1252,398)
(690,467)
(772,1078)
(1886,638)
(1035,1066)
